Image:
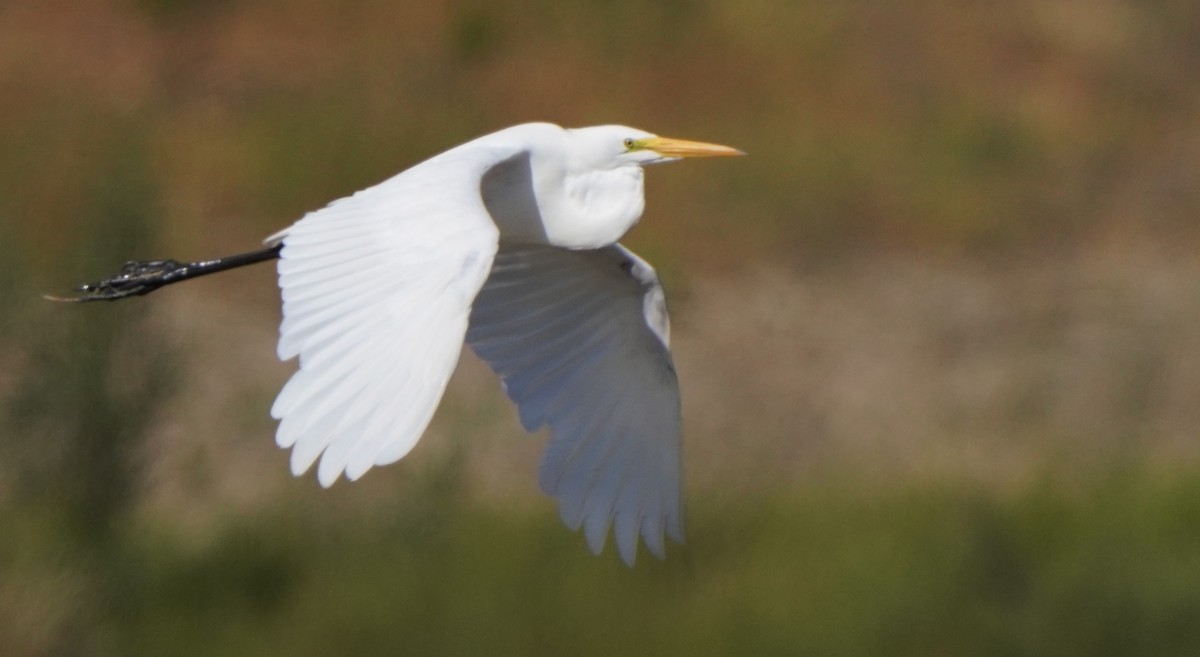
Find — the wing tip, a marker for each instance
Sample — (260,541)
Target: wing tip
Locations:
(328,473)
(297,464)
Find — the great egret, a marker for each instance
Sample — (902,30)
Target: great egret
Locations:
(509,242)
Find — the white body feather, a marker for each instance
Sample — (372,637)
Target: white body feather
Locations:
(506,242)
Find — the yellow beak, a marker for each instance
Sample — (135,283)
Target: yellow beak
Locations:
(683,148)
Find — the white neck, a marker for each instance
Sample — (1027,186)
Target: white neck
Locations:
(553,200)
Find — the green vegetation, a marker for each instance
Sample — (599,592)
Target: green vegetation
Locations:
(1109,569)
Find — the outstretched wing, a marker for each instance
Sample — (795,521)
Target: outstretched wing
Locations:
(580,339)
(376,290)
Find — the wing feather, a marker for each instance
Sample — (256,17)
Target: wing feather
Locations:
(579,339)
(377,289)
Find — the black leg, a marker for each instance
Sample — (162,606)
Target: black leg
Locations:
(138,278)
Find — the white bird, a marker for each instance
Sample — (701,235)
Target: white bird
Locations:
(509,244)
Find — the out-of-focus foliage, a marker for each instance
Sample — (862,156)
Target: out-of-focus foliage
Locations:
(1107,570)
(942,127)
(80,392)
(939,265)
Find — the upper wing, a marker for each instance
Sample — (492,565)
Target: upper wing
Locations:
(580,340)
(376,290)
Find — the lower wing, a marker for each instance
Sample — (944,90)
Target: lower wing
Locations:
(580,339)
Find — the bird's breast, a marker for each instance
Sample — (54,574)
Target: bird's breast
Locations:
(597,208)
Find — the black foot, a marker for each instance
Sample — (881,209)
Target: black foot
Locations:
(135,279)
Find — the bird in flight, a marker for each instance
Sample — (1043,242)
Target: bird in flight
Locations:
(508,243)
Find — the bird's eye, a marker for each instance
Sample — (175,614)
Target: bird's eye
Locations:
(629,143)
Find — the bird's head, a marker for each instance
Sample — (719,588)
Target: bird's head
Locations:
(614,146)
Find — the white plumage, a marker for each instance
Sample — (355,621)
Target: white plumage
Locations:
(509,243)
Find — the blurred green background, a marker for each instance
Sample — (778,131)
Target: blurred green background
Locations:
(937,335)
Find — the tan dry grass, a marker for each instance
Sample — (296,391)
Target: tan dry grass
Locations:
(893,368)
